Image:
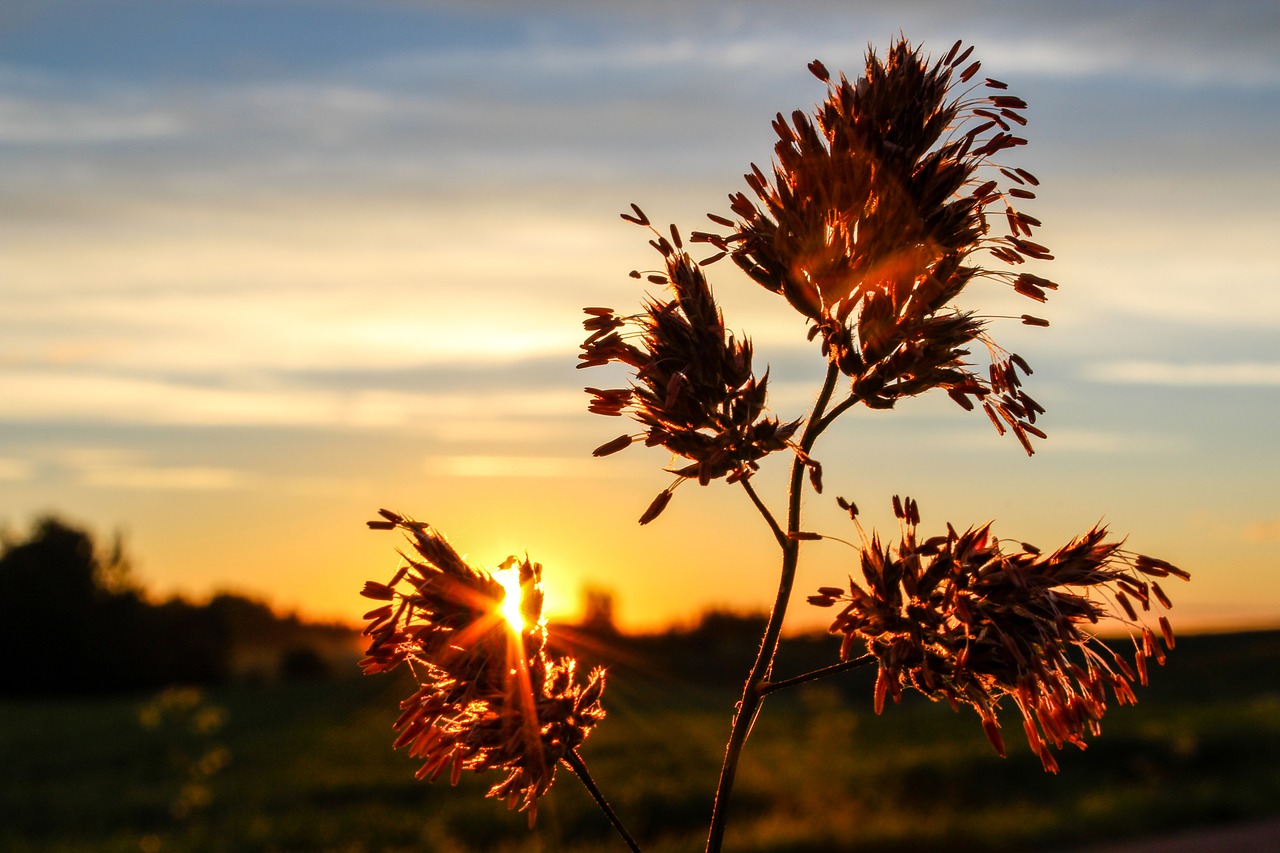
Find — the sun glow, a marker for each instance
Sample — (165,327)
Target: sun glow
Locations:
(511,601)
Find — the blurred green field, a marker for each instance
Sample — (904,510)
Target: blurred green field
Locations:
(311,769)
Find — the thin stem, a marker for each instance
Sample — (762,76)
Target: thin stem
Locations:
(575,762)
(844,666)
(764,511)
(752,696)
(838,410)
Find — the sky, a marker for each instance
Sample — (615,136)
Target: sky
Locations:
(267,267)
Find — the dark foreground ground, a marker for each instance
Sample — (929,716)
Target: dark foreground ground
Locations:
(307,766)
(1254,837)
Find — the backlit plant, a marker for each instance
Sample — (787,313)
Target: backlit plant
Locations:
(885,204)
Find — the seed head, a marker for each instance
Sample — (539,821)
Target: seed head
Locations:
(957,618)
(693,390)
(871,219)
(489,696)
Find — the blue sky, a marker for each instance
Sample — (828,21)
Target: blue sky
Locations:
(267,267)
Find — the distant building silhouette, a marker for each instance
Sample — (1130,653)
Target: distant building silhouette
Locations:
(598,610)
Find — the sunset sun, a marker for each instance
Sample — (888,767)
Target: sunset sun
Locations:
(510,607)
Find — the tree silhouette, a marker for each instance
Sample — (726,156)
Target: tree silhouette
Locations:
(78,623)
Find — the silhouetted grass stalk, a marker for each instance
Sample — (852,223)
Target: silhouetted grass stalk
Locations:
(867,227)
(752,693)
(575,763)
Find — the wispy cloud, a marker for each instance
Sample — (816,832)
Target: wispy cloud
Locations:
(180,478)
(1263,531)
(520,467)
(27,121)
(1108,442)
(327,285)
(97,398)
(1180,42)
(575,94)
(1064,441)
(15,469)
(122,469)
(88,397)
(1209,374)
(130,469)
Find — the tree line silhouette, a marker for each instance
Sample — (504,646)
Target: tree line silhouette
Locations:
(76,622)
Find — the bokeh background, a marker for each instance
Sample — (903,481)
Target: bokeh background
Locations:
(267,267)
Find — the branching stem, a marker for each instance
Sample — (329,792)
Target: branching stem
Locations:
(838,410)
(844,666)
(752,692)
(575,762)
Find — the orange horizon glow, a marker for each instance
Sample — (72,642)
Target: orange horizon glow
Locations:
(801,619)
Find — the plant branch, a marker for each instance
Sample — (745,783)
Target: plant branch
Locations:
(575,762)
(844,666)
(752,696)
(778,532)
(838,410)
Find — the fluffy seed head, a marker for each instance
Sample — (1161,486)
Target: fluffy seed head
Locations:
(489,696)
(957,617)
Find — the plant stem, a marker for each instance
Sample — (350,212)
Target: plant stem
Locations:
(764,511)
(752,695)
(575,762)
(838,410)
(835,668)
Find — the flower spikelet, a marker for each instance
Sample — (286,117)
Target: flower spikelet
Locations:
(956,617)
(870,221)
(693,390)
(489,696)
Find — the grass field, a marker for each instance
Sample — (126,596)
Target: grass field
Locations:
(309,767)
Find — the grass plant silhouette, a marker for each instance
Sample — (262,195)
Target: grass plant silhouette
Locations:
(882,206)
